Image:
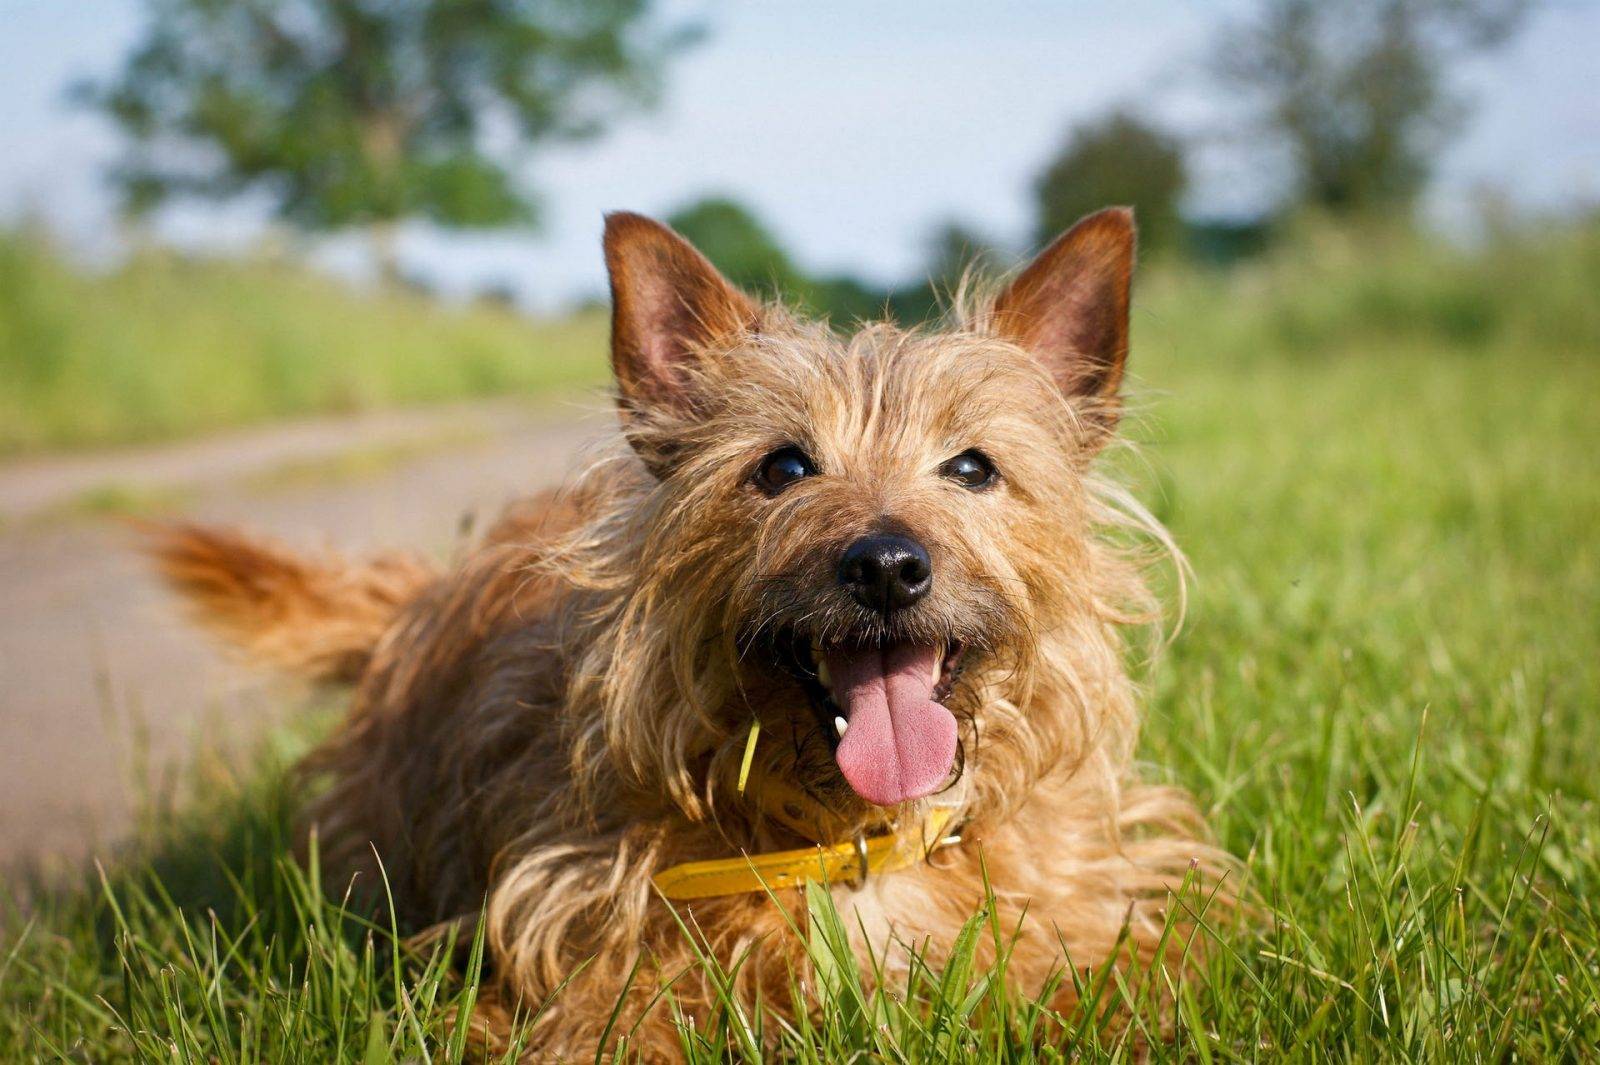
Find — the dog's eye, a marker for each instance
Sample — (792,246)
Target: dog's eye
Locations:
(970,469)
(782,468)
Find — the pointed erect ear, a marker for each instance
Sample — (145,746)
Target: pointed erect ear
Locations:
(668,304)
(1070,309)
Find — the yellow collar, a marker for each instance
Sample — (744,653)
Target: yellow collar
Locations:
(839,863)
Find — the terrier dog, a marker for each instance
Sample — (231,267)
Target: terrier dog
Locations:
(837,608)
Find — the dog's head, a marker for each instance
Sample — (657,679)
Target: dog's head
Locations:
(876,537)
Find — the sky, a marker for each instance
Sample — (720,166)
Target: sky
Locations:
(851,127)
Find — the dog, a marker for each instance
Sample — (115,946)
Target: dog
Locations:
(837,608)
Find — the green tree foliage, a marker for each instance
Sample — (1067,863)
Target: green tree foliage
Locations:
(749,255)
(1120,159)
(368,112)
(1358,92)
(741,246)
(953,247)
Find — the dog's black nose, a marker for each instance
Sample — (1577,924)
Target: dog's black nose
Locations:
(886,572)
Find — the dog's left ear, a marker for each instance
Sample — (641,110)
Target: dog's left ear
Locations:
(669,305)
(1069,307)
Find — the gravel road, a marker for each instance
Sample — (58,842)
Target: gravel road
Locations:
(103,689)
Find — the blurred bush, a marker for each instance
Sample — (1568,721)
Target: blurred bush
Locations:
(730,235)
(1121,159)
(749,255)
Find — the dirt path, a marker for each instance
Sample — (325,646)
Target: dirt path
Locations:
(98,674)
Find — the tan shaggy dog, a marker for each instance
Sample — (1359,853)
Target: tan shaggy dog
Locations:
(887,547)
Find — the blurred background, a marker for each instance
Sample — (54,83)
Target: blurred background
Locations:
(331,268)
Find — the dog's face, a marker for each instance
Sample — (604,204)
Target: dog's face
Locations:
(879,528)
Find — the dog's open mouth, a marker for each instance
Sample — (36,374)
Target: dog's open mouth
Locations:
(881,706)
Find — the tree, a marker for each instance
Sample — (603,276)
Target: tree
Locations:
(1357,92)
(745,250)
(953,247)
(1121,159)
(749,255)
(729,234)
(370,112)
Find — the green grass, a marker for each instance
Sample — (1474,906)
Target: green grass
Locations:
(1385,695)
(165,346)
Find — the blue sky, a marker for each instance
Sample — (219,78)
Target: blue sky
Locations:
(851,127)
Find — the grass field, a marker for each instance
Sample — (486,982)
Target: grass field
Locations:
(1383,460)
(165,346)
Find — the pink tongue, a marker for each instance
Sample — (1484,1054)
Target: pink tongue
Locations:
(900,744)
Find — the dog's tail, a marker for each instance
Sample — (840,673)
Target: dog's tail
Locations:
(319,618)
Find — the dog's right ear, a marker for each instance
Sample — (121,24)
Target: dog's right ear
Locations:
(669,305)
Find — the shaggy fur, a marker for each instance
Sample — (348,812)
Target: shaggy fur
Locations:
(561,714)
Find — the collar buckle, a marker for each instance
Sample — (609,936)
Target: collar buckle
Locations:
(863,865)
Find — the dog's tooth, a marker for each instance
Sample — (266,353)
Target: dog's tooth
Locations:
(840,724)
(822,673)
